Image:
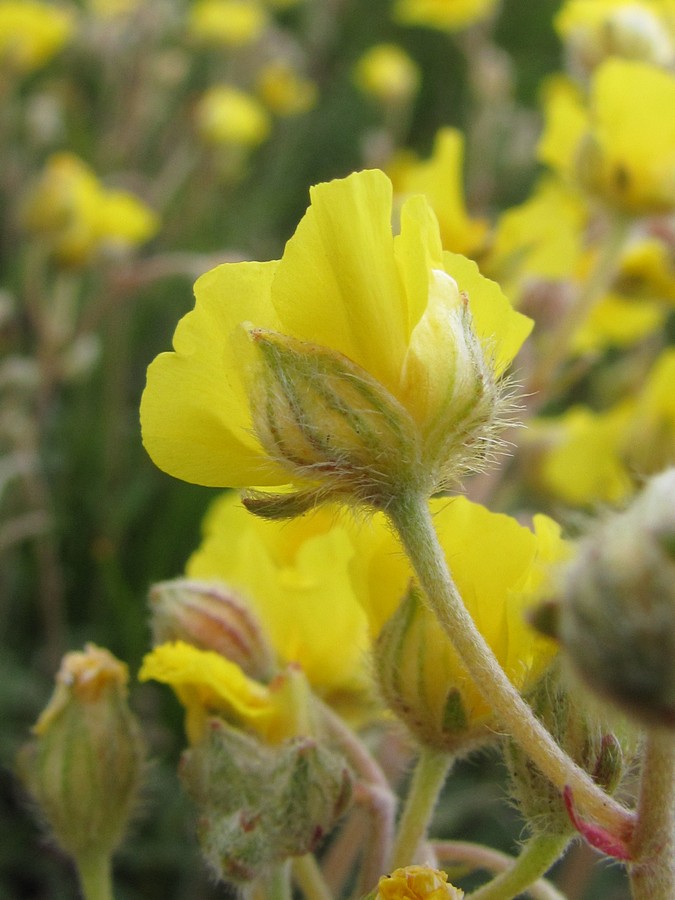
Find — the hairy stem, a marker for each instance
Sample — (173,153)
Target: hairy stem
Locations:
(534,860)
(652,874)
(412,519)
(427,782)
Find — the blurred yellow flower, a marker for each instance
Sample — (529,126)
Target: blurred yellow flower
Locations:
(387,73)
(283,90)
(208,684)
(622,147)
(582,465)
(541,238)
(440,179)
(648,271)
(632,29)
(31,33)
(228,23)
(227,115)
(448,15)
(79,217)
(416,883)
(301,580)
(343,280)
(618,321)
(423,678)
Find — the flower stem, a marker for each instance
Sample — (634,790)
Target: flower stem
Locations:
(95,874)
(652,875)
(427,781)
(308,877)
(480,857)
(534,860)
(411,517)
(274,886)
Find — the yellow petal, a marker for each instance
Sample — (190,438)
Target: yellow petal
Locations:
(195,413)
(338,284)
(497,324)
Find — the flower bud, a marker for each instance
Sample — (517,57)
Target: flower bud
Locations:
(582,735)
(210,616)
(418,683)
(415,883)
(258,805)
(388,74)
(83,768)
(617,609)
(324,415)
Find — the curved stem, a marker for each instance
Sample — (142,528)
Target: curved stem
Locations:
(534,860)
(480,857)
(95,874)
(412,519)
(427,782)
(373,793)
(307,875)
(652,875)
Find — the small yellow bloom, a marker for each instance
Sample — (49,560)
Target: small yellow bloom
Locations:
(228,23)
(283,90)
(632,29)
(447,15)
(618,322)
(388,74)
(208,684)
(31,33)
(229,116)
(300,578)
(622,148)
(648,271)
(439,178)
(541,238)
(210,414)
(80,217)
(420,673)
(416,883)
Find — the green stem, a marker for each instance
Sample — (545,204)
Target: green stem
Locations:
(534,860)
(412,519)
(427,781)
(652,875)
(308,877)
(494,861)
(276,885)
(95,874)
(557,347)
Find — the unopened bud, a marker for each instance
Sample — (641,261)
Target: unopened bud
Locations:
(423,682)
(211,616)
(581,735)
(415,883)
(325,417)
(617,609)
(257,805)
(83,767)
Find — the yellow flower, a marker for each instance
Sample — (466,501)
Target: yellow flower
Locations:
(648,271)
(648,444)
(229,23)
(31,33)
(618,322)
(387,73)
(300,579)
(208,684)
(448,15)
(416,883)
(622,148)
(440,180)
(421,675)
(380,338)
(226,115)
(582,465)
(283,90)
(632,29)
(80,217)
